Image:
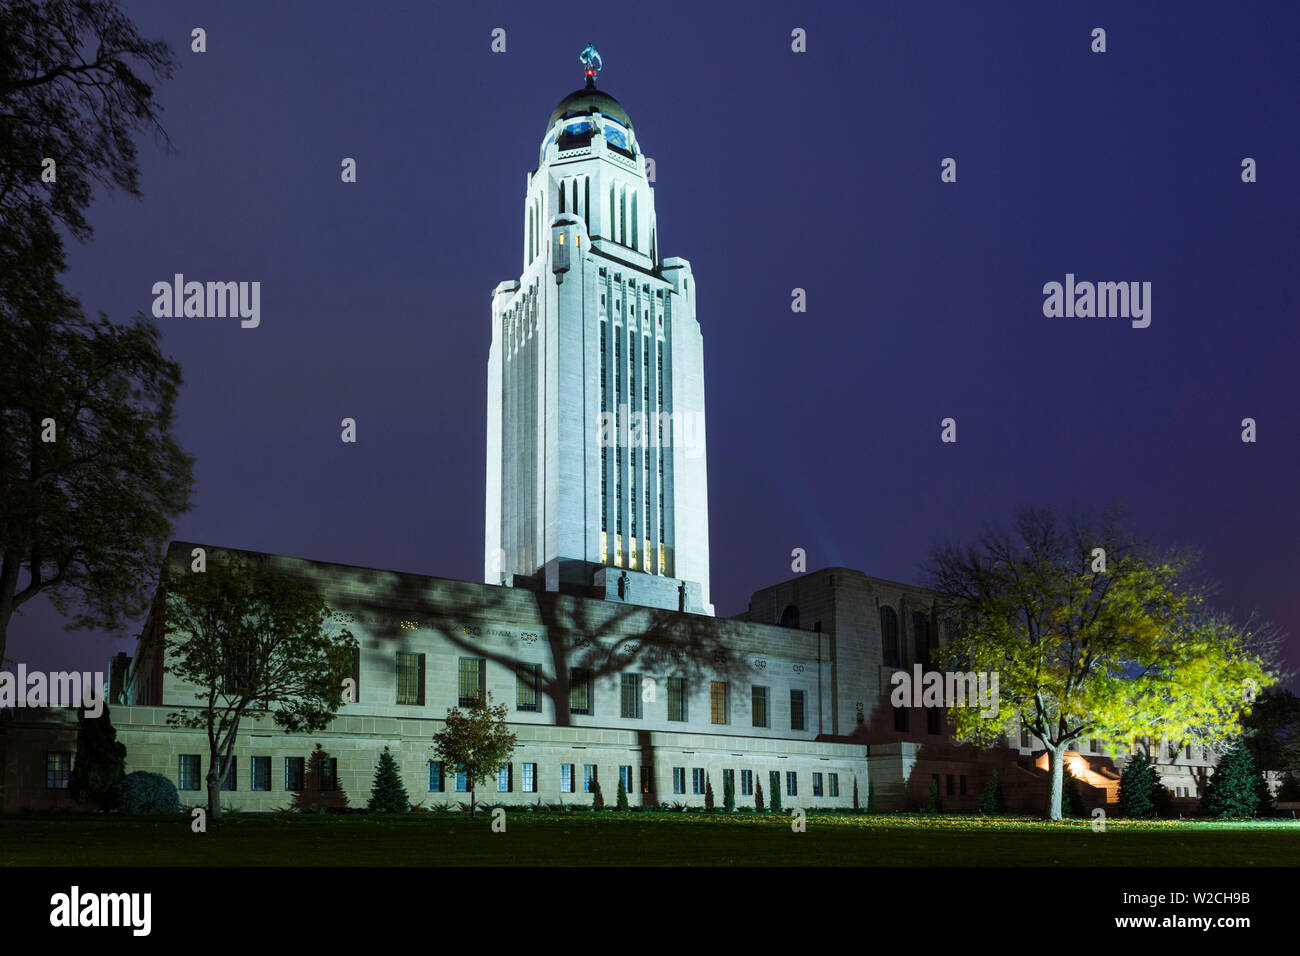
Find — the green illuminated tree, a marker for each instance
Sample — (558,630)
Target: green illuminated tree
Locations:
(1234,788)
(1137,788)
(1082,651)
(476,739)
(251,640)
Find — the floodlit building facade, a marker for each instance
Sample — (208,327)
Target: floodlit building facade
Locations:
(596,447)
(594,624)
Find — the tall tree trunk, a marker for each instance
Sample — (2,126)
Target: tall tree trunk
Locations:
(1057,757)
(473,803)
(214,792)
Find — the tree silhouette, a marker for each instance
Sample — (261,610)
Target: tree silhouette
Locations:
(320,786)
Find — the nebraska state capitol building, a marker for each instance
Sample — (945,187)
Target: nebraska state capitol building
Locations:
(594,623)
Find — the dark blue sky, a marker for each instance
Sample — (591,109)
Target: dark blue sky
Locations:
(774,171)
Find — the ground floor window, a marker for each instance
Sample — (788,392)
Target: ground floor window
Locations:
(261,773)
(190,771)
(58,770)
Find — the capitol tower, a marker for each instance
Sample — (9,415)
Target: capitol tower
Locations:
(596,476)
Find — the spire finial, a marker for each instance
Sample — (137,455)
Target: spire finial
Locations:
(591,63)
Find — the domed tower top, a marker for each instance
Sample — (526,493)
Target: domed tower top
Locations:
(588,111)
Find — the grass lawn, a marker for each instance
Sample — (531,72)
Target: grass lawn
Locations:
(639,839)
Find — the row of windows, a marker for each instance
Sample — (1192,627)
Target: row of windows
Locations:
(952,788)
(189,776)
(634,689)
(822,784)
(933,720)
(1093,745)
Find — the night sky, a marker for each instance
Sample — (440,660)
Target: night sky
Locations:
(775,170)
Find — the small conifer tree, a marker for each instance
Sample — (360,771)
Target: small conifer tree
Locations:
(871,796)
(100,763)
(620,798)
(1137,788)
(708,794)
(1234,788)
(728,794)
(598,798)
(995,800)
(388,793)
(758,796)
(855,793)
(1071,801)
(776,796)
(934,803)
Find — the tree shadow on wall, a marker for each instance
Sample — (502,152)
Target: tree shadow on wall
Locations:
(320,791)
(601,637)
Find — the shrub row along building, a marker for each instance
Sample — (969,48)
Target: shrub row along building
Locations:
(594,624)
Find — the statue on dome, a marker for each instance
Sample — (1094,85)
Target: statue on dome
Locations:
(590,60)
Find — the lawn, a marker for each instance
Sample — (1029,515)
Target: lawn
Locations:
(639,839)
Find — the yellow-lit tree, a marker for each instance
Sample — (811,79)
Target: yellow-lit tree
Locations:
(1090,636)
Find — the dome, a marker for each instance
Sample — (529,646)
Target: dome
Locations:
(587,99)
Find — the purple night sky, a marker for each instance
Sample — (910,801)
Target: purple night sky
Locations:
(774,170)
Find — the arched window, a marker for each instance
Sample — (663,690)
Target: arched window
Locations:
(575,195)
(889,636)
(561,197)
(790,617)
(586,201)
(610,230)
(921,627)
(634,226)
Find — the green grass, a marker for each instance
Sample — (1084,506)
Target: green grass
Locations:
(639,839)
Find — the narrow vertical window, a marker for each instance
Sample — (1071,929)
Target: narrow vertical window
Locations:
(630,687)
(634,228)
(718,701)
(889,636)
(469,680)
(527,678)
(759,708)
(677,698)
(579,690)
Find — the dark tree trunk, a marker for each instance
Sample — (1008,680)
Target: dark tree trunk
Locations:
(214,792)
